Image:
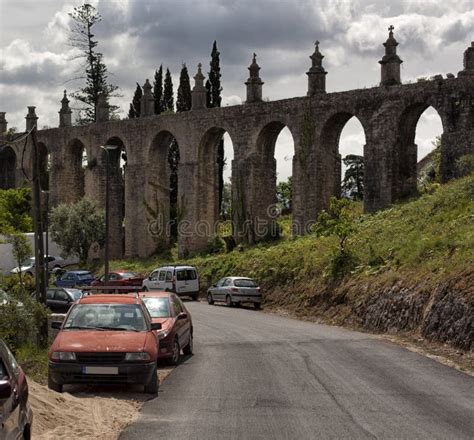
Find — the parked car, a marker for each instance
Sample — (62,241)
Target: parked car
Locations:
(16,417)
(120,278)
(60,299)
(182,280)
(75,278)
(28,266)
(235,291)
(105,339)
(176,324)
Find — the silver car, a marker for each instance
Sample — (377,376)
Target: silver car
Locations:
(235,291)
(28,266)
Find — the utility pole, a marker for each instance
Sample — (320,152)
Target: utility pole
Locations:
(40,280)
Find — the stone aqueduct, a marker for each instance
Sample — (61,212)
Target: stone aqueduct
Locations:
(140,195)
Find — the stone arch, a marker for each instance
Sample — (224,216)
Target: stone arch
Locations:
(157,191)
(328,158)
(405,156)
(208,181)
(72,179)
(7,168)
(117,203)
(263,212)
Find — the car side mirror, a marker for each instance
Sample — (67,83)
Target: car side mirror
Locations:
(56,325)
(183,315)
(5,389)
(213,285)
(156,326)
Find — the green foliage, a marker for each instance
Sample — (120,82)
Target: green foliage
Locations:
(34,361)
(168,96)
(284,193)
(158,90)
(183,102)
(226,205)
(84,18)
(214,91)
(429,173)
(135,106)
(465,165)
(353,183)
(15,210)
(21,250)
(75,227)
(21,317)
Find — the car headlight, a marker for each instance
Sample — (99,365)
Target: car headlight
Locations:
(143,356)
(63,356)
(162,334)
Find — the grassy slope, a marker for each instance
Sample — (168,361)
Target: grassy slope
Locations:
(431,236)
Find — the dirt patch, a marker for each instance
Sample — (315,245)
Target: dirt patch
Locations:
(85,412)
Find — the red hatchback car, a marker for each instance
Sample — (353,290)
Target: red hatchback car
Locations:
(120,278)
(176,333)
(105,339)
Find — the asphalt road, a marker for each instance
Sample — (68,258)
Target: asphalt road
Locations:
(259,376)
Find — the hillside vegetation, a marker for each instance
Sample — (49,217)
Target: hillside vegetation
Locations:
(411,268)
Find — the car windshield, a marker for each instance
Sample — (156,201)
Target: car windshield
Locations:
(127,275)
(77,294)
(28,262)
(245,283)
(84,276)
(158,307)
(106,317)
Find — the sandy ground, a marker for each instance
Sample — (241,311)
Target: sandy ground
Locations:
(85,412)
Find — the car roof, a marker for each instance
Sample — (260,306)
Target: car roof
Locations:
(110,298)
(155,294)
(174,267)
(79,272)
(240,278)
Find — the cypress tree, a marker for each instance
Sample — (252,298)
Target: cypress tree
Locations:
(214,99)
(135,106)
(183,101)
(168,98)
(158,90)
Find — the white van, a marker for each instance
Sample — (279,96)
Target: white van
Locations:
(182,280)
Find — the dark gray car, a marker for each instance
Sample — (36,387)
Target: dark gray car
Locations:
(235,291)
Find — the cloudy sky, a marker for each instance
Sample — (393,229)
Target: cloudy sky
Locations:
(136,36)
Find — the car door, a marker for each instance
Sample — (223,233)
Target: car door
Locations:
(11,418)
(217,292)
(186,323)
(50,302)
(160,282)
(180,324)
(62,301)
(68,280)
(169,280)
(153,280)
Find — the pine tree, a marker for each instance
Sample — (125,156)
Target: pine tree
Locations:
(214,99)
(168,98)
(158,90)
(353,183)
(84,18)
(135,106)
(183,101)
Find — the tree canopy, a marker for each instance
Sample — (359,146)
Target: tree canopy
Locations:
(158,90)
(183,102)
(135,106)
(168,95)
(353,183)
(15,210)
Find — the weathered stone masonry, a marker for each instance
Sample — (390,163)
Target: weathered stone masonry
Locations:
(388,113)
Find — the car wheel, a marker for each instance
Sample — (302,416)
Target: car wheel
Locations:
(257,306)
(176,349)
(152,386)
(188,350)
(52,385)
(210,300)
(194,297)
(228,301)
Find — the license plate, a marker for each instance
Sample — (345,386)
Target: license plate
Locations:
(99,370)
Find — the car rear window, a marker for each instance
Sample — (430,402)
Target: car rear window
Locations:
(106,316)
(158,307)
(77,294)
(245,283)
(84,276)
(186,274)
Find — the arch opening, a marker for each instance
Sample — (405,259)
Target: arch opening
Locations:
(7,168)
(418,150)
(341,159)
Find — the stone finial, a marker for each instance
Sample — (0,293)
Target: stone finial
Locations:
(3,123)
(31,118)
(65,112)
(102,109)
(316,73)
(147,102)
(254,83)
(199,92)
(468,62)
(390,62)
